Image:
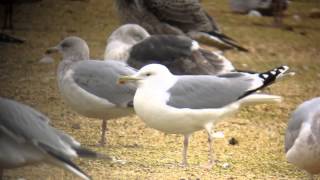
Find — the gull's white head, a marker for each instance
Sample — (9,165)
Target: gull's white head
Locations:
(71,47)
(122,39)
(154,74)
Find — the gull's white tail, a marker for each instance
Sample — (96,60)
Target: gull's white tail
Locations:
(260,99)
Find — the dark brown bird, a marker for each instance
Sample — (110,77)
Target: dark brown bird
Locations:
(183,17)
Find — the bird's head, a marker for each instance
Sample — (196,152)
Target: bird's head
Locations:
(150,74)
(71,47)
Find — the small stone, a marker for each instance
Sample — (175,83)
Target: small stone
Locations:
(75,126)
(233,141)
(254,13)
(225,166)
(219,134)
(46,60)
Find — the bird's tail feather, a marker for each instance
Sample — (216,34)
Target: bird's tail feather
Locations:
(227,40)
(260,98)
(86,153)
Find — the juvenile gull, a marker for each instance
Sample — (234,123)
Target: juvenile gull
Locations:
(90,86)
(184,17)
(185,104)
(132,44)
(26,138)
(302,140)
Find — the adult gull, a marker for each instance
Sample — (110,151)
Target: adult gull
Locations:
(184,17)
(185,104)
(132,44)
(302,140)
(27,138)
(90,86)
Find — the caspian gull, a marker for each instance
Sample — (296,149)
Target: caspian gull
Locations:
(185,104)
(90,86)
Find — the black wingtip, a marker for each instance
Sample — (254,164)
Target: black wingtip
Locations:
(268,78)
(86,153)
(228,40)
(63,159)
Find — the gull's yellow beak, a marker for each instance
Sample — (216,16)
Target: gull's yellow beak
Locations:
(52,50)
(125,79)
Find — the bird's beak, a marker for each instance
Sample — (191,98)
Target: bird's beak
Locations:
(125,79)
(52,50)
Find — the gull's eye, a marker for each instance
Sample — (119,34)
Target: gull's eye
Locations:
(148,74)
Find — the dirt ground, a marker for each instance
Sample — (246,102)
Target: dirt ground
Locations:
(150,154)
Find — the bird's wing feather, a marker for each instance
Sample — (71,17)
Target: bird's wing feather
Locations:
(185,14)
(162,49)
(28,126)
(100,79)
(199,92)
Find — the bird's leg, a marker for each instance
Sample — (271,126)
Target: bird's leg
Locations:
(208,128)
(102,141)
(185,149)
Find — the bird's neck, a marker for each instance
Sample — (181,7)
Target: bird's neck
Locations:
(67,63)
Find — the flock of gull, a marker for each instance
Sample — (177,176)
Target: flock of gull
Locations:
(156,67)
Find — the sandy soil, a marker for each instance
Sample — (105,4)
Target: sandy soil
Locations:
(151,154)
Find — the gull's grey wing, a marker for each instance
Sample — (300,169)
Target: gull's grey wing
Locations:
(199,92)
(25,124)
(307,112)
(26,137)
(188,15)
(100,78)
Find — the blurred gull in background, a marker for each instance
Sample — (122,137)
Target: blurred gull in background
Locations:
(27,138)
(302,140)
(184,17)
(90,86)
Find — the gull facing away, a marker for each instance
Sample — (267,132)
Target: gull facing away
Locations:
(302,140)
(90,86)
(132,44)
(185,104)
(26,138)
(184,17)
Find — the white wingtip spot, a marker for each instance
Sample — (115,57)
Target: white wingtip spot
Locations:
(195,46)
(273,72)
(265,75)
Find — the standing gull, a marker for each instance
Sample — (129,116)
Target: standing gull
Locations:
(133,44)
(302,141)
(27,138)
(185,104)
(184,17)
(90,86)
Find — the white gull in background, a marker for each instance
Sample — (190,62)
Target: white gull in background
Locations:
(132,44)
(183,17)
(26,138)
(302,140)
(185,104)
(90,86)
